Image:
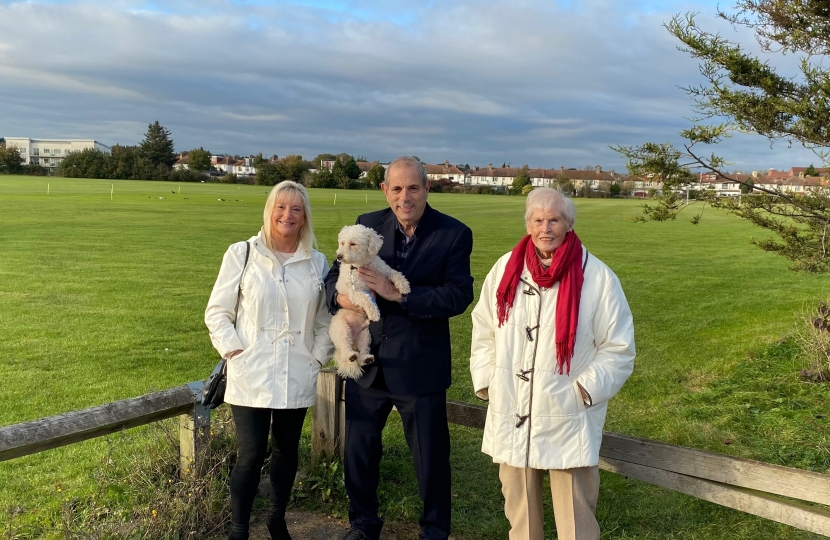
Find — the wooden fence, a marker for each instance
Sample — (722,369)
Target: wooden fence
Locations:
(184,401)
(773,492)
(777,493)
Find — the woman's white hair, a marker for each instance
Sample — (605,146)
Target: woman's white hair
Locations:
(290,192)
(546,199)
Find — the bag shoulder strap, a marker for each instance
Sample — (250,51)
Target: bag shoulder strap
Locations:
(584,264)
(239,288)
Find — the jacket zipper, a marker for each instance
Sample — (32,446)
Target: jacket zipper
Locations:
(529,416)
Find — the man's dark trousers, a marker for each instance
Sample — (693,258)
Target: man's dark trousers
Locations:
(424,420)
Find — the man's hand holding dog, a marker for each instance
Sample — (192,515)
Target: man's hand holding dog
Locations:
(380,284)
(344,303)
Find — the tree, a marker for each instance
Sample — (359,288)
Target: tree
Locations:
(614,190)
(351,168)
(338,173)
(198,159)
(88,163)
(11,162)
(564,184)
(157,146)
(752,96)
(376,175)
(258,160)
(268,174)
(293,168)
(811,171)
(522,179)
(317,161)
(746,188)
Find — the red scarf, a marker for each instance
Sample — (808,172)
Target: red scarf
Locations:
(565,268)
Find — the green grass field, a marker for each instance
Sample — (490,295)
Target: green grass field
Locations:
(103,299)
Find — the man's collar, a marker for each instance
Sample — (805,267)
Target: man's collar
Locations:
(400,228)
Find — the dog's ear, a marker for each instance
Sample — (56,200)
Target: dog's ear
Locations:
(375,241)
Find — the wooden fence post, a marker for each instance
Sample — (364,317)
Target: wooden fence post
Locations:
(194,435)
(327,423)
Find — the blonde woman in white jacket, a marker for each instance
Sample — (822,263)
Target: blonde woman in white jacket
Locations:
(553,341)
(275,342)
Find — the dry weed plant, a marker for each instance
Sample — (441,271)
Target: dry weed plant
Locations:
(142,494)
(814,338)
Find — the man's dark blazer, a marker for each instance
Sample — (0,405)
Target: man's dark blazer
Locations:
(413,344)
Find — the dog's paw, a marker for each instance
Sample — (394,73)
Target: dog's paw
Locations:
(366,359)
(400,282)
(353,357)
(350,370)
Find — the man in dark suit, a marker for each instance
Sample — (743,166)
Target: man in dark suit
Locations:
(411,345)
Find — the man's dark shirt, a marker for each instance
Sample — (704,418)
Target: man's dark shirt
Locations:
(403,245)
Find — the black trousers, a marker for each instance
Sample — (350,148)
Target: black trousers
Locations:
(252,428)
(425,427)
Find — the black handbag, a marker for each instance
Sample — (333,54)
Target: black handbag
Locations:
(213,393)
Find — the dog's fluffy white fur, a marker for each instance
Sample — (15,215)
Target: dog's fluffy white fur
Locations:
(358,246)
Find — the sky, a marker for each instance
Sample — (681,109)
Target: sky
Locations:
(547,83)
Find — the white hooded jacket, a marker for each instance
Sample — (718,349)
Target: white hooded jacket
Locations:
(536,417)
(282,325)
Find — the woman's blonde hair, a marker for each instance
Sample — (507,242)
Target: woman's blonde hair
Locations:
(291,192)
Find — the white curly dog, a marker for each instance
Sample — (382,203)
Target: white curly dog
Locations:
(349,331)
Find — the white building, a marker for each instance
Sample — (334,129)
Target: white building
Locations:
(50,152)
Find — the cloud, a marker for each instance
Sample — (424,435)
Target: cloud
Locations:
(527,81)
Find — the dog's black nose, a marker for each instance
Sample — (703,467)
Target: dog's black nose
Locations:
(340,257)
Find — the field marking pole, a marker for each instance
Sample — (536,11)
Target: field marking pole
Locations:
(180,188)
(367,198)
(335,199)
(112,191)
(47,188)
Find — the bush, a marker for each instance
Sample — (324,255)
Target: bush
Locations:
(35,170)
(185,175)
(228,179)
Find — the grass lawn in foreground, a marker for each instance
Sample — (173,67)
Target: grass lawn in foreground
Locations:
(103,299)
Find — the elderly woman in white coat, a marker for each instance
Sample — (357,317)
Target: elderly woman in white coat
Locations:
(275,340)
(553,341)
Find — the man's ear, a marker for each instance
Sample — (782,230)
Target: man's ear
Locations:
(427,186)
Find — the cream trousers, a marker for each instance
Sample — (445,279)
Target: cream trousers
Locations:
(574,493)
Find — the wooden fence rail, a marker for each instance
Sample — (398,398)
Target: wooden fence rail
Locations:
(773,492)
(185,401)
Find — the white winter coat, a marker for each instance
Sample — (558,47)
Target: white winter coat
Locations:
(559,431)
(282,326)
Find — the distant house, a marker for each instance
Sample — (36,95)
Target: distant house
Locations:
(500,177)
(365,167)
(182,162)
(244,166)
(445,171)
(222,163)
(50,152)
(641,185)
(792,181)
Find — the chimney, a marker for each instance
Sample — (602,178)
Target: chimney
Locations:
(754,174)
(562,168)
(598,169)
(447,163)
